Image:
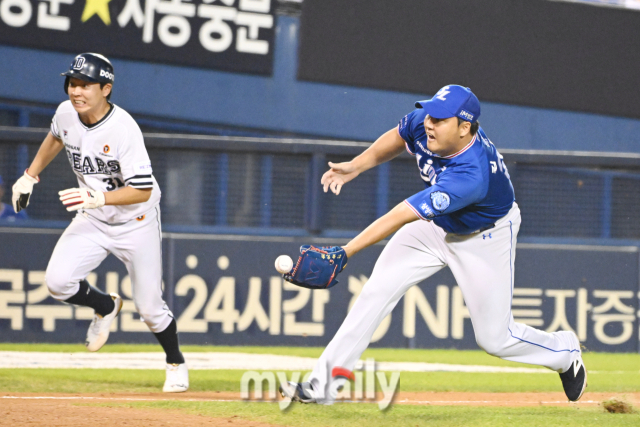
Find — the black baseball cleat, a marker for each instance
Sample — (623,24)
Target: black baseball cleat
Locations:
(574,380)
(298,392)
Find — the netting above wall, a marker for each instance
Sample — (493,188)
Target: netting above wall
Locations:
(258,190)
(556,202)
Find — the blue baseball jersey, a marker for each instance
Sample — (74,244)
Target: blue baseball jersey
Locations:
(465,192)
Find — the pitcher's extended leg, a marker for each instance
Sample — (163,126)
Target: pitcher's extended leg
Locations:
(411,256)
(483,268)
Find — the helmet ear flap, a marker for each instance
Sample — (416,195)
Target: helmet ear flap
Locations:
(66,85)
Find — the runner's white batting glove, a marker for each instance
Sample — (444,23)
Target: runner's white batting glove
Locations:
(22,190)
(81,198)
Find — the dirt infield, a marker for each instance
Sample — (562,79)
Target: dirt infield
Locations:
(17,409)
(59,411)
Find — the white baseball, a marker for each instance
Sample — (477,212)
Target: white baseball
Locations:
(284,264)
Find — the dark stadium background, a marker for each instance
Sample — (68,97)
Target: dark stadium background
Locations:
(238,142)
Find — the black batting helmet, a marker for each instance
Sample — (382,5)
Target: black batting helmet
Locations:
(90,67)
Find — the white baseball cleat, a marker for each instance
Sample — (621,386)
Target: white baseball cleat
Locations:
(98,332)
(177,378)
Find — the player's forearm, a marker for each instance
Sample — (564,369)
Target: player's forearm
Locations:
(127,196)
(49,149)
(381,228)
(385,148)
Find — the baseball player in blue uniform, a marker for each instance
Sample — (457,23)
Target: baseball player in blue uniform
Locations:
(466,218)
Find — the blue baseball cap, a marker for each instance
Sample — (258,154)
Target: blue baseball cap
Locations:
(452,101)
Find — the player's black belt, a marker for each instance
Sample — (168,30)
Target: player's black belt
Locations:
(485,228)
(488,227)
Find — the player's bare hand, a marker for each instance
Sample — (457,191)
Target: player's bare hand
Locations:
(337,176)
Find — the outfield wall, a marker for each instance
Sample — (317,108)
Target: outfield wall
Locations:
(223,290)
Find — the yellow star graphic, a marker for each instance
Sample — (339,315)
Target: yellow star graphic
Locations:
(97,7)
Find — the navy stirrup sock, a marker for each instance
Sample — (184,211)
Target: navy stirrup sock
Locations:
(168,339)
(92,297)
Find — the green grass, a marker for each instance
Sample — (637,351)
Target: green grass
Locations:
(594,361)
(143,381)
(610,373)
(347,415)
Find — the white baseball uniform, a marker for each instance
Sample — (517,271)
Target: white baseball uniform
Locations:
(106,156)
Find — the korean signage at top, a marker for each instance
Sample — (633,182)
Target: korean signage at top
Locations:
(230,35)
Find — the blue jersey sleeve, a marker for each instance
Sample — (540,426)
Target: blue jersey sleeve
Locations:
(406,129)
(453,191)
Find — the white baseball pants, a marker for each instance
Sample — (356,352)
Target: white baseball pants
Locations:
(482,267)
(137,243)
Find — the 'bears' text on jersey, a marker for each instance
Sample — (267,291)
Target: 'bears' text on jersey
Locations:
(106,156)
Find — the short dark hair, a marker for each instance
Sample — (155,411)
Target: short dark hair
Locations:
(110,92)
(474,126)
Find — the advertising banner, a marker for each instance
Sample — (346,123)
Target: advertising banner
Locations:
(224,290)
(230,35)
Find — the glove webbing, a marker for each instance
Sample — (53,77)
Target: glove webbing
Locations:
(295,269)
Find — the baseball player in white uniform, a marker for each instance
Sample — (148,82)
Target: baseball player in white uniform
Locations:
(465,218)
(117,204)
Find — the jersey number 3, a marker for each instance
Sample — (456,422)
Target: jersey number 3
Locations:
(113,183)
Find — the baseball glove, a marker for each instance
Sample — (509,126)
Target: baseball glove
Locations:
(317,268)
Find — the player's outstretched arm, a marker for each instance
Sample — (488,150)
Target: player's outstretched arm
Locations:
(317,268)
(49,149)
(385,148)
(22,189)
(381,228)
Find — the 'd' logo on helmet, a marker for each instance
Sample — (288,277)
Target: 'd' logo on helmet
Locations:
(106,149)
(79,63)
